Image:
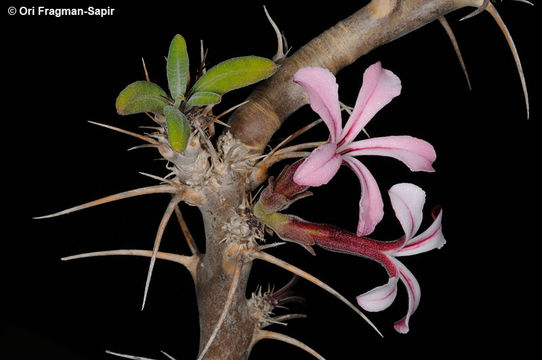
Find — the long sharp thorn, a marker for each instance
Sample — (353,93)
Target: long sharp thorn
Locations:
(159,233)
(155,128)
(144,146)
(159,178)
(186,231)
(220,122)
(309,145)
(145,70)
(125,356)
(276,154)
(285,44)
(264,334)
(289,299)
(478,10)
(189,262)
(294,135)
(283,156)
(209,145)
(525,2)
(157,189)
(269,246)
(227,111)
(493,12)
(203,56)
(280,46)
(453,39)
(167,355)
(136,135)
(287,317)
(295,270)
(229,300)
(150,116)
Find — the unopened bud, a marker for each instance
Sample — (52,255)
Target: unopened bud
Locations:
(282,192)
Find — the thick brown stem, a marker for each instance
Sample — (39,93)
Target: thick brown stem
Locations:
(378,23)
(234,337)
(215,271)
(253,124)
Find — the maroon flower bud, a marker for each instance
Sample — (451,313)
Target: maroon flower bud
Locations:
(282,192)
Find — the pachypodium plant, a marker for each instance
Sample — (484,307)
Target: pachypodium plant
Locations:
(225,174)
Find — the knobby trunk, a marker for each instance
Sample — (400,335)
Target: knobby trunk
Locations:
(219,178)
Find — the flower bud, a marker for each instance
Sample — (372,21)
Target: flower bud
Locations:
(280,193)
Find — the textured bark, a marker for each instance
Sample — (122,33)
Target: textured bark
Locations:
(213,283)
(253,125)
(378,23)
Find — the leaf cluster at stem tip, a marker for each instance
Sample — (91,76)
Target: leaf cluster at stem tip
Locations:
(148,97)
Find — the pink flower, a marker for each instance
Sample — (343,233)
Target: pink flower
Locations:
(407,201)
(379,87)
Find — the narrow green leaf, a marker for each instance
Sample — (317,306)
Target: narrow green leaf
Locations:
(178,128)
(202,99)
(141,96)
(235,73)
(177,67)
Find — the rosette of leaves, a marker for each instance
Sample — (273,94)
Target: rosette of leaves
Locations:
(148,97)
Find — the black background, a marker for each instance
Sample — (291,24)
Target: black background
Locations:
(479,291)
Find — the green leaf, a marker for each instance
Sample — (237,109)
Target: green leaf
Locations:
(141,96)
(178,128)
(203,98)
(235,73)
(177,68)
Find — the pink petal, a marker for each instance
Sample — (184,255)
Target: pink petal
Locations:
(322,89)
(319,167)
(414,294)
(430,239)
(371,206)
(407,201)
(379,298)
(417,154)
(379,87)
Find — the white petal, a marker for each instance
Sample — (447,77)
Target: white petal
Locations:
(414,294)
(379,298)
(430,239)
(407,201)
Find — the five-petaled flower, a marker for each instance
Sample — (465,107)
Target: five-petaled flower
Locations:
(379,87)
(407,201)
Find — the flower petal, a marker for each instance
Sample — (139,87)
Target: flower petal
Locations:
(371,206)
(379,298)
(415,153)
(319,167)
(430,239)
(414,294)
(379,87)
(407,201)
(322,89)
